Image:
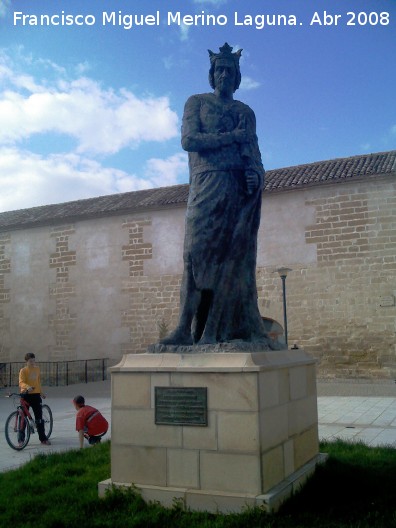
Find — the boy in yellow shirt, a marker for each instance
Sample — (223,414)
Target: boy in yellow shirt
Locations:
(30,387)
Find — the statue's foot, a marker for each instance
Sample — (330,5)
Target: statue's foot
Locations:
(177,337)
(207,340)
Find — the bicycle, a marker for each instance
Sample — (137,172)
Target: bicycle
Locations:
(20,424)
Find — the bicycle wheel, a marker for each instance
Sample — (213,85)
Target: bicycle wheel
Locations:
(48,420)
(16,432)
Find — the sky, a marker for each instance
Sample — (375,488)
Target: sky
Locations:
(92,107)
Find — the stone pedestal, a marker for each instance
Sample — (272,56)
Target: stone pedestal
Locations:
(259,444)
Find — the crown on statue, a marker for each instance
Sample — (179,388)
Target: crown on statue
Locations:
(225,53)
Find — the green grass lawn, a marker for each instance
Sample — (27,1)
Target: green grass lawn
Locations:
(355,488)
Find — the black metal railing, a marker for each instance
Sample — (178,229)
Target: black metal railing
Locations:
(58,373)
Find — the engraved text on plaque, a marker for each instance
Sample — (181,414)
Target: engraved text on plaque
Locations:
(181,406)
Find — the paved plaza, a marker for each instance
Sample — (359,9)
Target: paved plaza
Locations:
(64,436)
(358,411)
(351,410)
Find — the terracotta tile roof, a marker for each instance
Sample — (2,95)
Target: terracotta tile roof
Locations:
(331,171)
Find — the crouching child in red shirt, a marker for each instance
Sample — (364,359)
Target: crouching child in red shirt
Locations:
(90,423)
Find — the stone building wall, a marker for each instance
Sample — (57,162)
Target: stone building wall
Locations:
(340,241)
(60,291)
(341,308)
(4,294)
(110,285)
(62,321)
(153,300)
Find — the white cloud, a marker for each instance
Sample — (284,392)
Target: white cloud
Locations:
(4,6)
(55,105)
(215,3)
(101,121)
(29,180)
(365,147)
(248,83)
(393,129)
(184,30)
(82,68)
(163,172)
(172,62)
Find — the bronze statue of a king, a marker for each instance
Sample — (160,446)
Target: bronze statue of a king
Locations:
(218,298)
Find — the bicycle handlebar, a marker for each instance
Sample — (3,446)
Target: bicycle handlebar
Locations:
(20,394)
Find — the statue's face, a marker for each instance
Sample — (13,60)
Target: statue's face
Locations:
(224,76)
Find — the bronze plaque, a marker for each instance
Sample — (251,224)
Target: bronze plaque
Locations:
(181,406)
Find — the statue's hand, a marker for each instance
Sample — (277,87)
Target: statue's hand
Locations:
(240,134)
(252,181)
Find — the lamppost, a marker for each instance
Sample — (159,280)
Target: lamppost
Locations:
(283,274)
